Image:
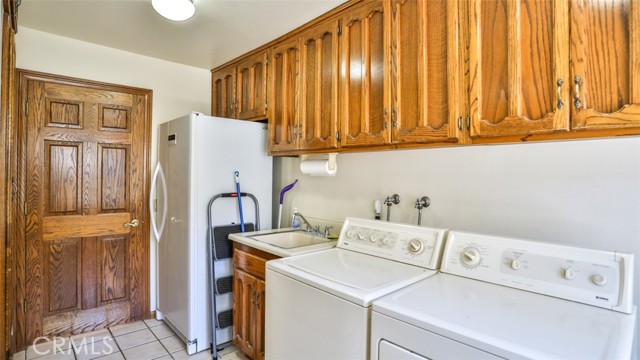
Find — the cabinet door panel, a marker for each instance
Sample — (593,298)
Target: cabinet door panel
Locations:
(252,87)
(364,84)
(284,89)
(259,319)
(223,92)
(243,311)
(423,70)
(319,89)
(605,55)
(518,54)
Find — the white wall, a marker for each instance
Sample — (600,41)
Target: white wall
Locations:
(177,89)
(583,193)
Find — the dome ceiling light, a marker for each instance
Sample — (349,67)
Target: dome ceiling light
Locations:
(176,10)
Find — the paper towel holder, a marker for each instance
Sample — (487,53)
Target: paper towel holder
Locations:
(332,157)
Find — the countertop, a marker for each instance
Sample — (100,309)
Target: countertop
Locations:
(245,238)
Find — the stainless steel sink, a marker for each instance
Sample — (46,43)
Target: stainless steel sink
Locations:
(290,239)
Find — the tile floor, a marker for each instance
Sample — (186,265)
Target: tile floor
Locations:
(142,340)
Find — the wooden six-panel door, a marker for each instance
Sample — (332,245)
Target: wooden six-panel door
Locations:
(86,221)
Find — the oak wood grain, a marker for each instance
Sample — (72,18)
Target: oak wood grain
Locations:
(96,178)
(283,98)
(251,87)
(223,94)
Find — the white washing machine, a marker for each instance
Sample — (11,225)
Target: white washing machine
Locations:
(514,299)
(318,305)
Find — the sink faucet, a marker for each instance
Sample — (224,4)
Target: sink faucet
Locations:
(305,221)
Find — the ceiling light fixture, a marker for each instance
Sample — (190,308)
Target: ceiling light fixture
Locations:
(176,10)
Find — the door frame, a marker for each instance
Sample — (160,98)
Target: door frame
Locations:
(19,172)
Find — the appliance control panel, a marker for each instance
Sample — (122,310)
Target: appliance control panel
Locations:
(410,244)
(593,277)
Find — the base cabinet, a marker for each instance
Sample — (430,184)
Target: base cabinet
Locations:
(249,299)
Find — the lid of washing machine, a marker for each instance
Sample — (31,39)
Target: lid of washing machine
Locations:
(357,277)
(509,322)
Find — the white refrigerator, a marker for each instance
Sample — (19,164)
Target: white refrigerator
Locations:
(197,158)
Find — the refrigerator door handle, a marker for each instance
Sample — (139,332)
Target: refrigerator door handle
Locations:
(158,173)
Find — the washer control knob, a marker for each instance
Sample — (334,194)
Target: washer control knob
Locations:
(599,280)
(373,238)
(361,236)
(568,274)
(350,233)
(415,246)
(386,241)
(516,264)
(470,257)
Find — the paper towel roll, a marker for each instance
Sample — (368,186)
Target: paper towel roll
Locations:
(317,168)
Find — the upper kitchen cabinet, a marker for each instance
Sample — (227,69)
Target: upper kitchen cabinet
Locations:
(251,83)
(605,64)
(519,67)
(223,92)
(364,82)
(424,70)
(319,69)
(283,99)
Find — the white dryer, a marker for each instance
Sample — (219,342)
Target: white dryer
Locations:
(514,299)
(318,305)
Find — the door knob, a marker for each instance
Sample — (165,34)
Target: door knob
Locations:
(134,223)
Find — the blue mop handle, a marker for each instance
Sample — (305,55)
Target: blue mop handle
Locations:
(237,174)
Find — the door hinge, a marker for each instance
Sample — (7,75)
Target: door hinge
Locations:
(460,123)
(468,122)
(26,108)
(339,31)
(338,135)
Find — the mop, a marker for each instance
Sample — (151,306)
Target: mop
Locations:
(284,190)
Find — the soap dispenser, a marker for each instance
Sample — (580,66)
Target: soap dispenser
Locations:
(295,219)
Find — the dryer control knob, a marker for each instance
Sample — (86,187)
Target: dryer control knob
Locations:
(373,238)
(361,236)
(516,264)
(599,280)
(470,257)
(415,246)
(568,274)
(350,233)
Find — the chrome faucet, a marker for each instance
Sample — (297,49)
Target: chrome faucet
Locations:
(421,203)
(390,200)
(305,221)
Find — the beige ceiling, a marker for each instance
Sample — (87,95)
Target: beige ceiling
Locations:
(219,31)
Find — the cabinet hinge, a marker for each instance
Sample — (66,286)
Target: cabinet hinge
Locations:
(266,107)
(460,123)
(468,122)
(338,135)
(339,31)
(26,108)
(26,210)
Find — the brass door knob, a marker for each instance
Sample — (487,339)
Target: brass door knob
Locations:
(134,223)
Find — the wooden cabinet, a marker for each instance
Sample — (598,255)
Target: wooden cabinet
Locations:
(519,67)
(223,92)
(319,70)
(283,112)
(251,83)
(400,73)
(304,90)
(239,90)
(249,299)
(605,64)
(364,82)
(424,70)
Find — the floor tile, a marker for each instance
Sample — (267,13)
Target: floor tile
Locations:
(147,351)
(96,349)
(56,345)
(127,328)
(165,357)
(22,355)
(153,322)
(182,355)
(162,331)
(90,337)
(136,338)
(172,343)
(229,349)
(238,355)
(58,355)
(114,356)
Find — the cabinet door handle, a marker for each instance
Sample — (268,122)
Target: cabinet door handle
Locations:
(394,122)
(384,118)
(258,300)
(577,102)
(560,103)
